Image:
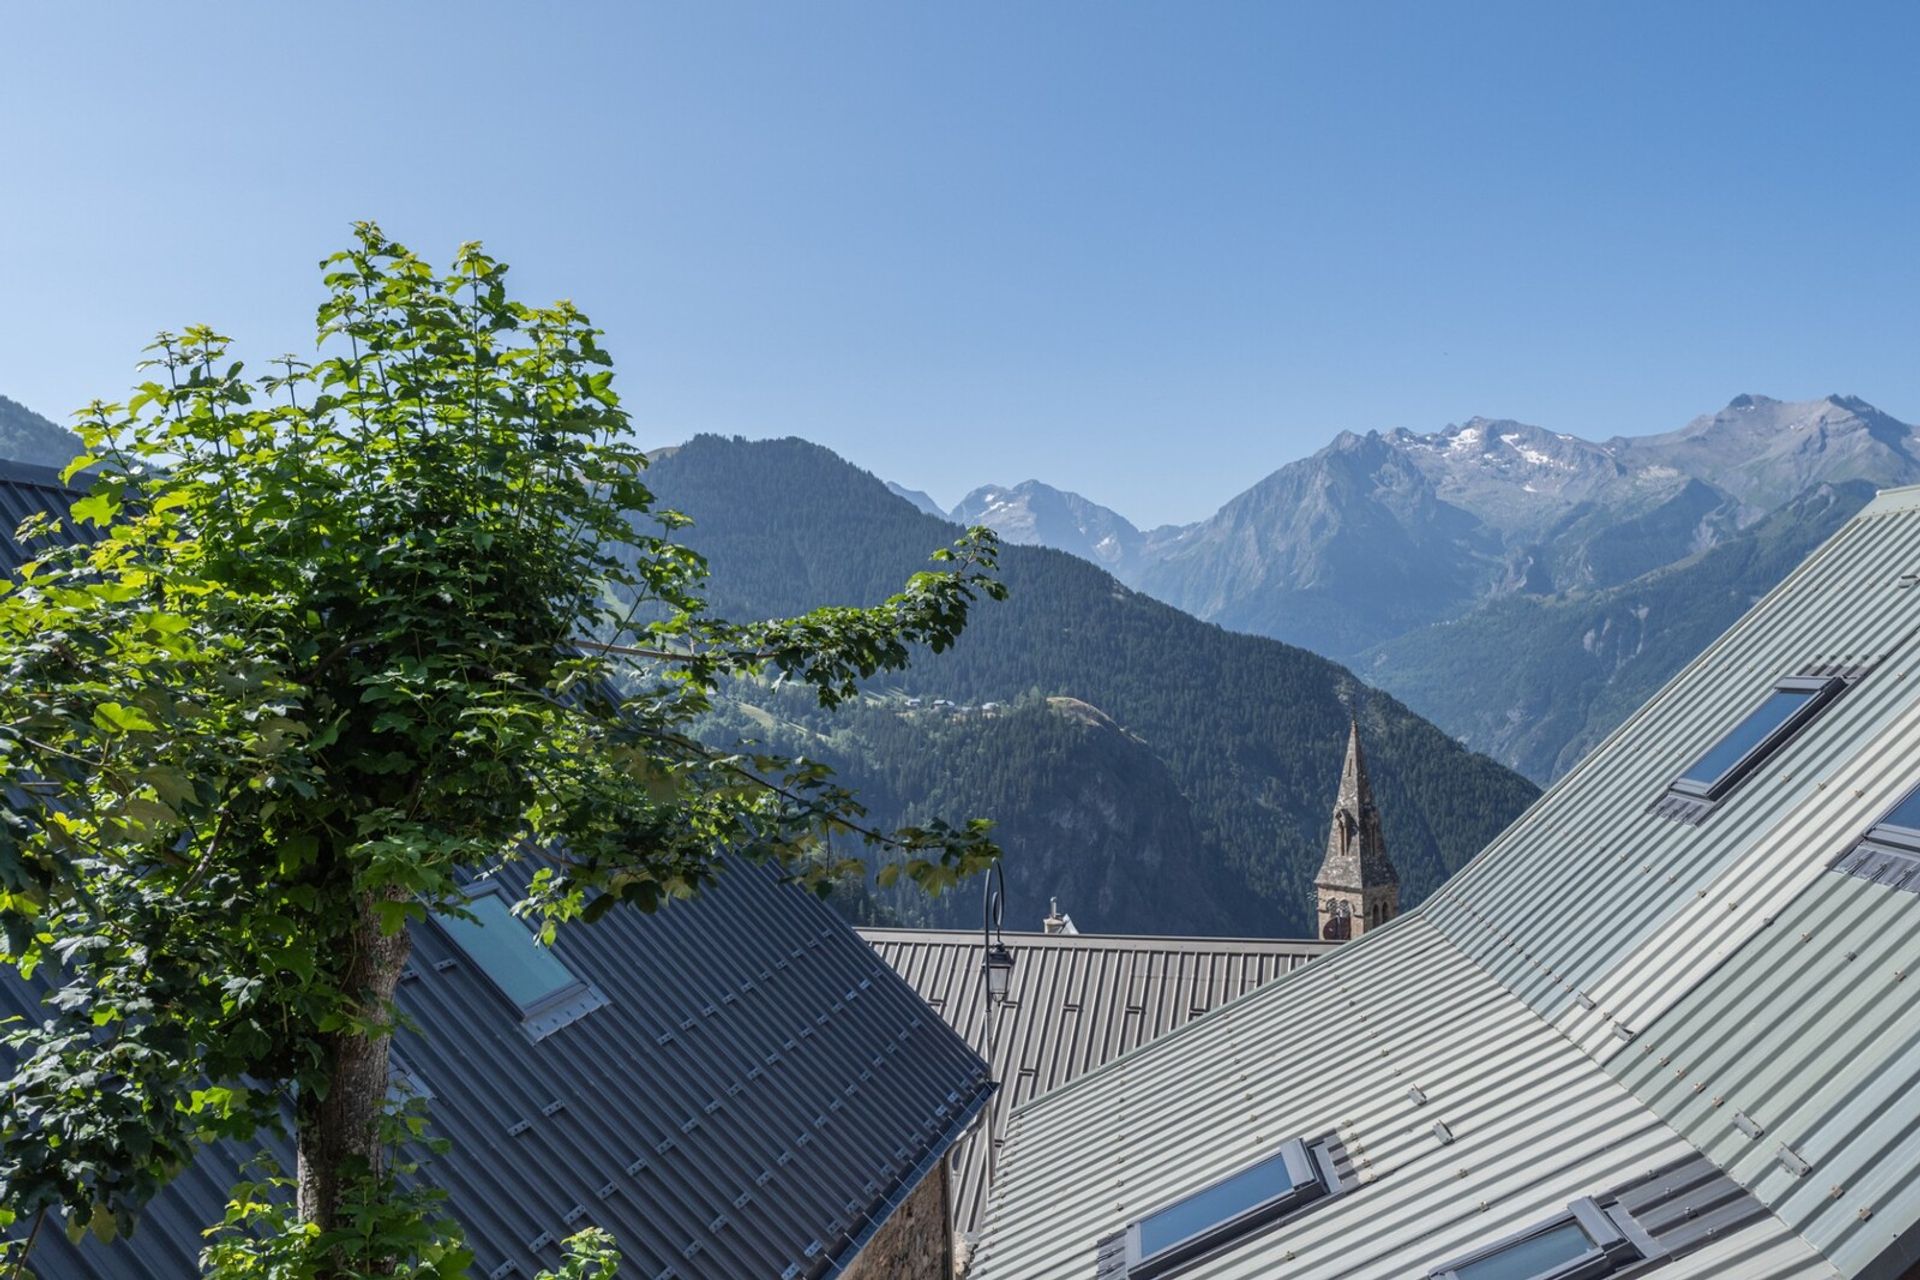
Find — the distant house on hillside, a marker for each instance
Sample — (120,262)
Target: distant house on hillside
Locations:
(735,1087)
(1667,1023)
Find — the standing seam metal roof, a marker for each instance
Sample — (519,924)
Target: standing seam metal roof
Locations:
(758,1089)
(1075,1001)
(27,490)
(1320,1051)
(1600,988)
(759,1093)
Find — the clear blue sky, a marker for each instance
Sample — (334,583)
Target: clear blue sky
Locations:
(1146,252)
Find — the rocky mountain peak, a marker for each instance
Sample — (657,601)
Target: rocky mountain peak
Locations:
(1039,514)
(1353,442)
(918,498)
(1511,474)
(1763,451)
(1378,532)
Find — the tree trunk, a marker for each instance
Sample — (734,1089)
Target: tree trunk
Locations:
(338,1135)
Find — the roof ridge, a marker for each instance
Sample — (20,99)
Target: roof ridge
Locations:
(971,937)
(1903,497)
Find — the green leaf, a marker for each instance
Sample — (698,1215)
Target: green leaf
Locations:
(123,719)
(96,508)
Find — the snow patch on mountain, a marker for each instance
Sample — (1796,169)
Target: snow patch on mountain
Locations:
(1038,514)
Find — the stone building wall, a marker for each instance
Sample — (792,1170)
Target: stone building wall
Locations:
(916,1243)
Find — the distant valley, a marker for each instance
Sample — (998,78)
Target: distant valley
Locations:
(1523,590)
(1154,772)
(1521,587)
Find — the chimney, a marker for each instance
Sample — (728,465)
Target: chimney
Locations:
(1056,922)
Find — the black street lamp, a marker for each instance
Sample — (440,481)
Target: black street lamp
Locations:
(996,976)
(996,964)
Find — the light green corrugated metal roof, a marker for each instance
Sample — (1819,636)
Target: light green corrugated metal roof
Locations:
(1815,1035)
(1534,1124)
(1689,938)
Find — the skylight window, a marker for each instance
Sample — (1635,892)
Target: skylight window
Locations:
(1290,1179)
(547,994)
(1889,854)
(1541,1255)
(1584,1243)
(1901,827)
(1790,704)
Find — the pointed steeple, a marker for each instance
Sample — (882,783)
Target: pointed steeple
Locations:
(1355,791)
(1357,886)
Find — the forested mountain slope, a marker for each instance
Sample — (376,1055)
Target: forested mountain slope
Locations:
(1487,572)
(1538,681)
(1155,772)
(1193,789)
(25,436)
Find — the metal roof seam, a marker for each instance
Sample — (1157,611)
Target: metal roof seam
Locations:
(1075,1001)
(1085,1161)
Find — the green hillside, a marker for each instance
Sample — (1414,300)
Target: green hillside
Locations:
(1539,681)
(1089,813)
(25,436)
(1216,773)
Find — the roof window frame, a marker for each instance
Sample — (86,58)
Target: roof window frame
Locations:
(1823,690)
(548,1013)
(1894,835)
(1313,1177)
(1619,1244)
(1887,853)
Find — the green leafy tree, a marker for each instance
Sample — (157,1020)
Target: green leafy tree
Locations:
(338,640)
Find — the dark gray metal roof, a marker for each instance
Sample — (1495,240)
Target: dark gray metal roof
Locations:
(1075,1001)
(27,490)
(759,1092)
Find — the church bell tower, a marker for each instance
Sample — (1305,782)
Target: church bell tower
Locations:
(1357,888)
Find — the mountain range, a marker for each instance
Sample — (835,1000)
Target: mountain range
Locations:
(1520,586)
(1153,772)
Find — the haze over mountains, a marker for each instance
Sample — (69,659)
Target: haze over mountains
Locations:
(1155,772)
(1523,587)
